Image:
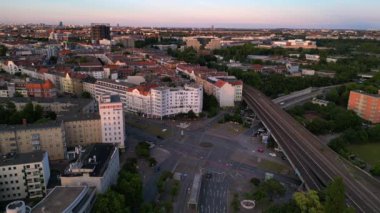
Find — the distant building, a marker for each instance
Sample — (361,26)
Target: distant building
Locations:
(295,44)
(44,89)
(98,166)
(24,175)
(49,137)
(203,42)
(67,199)
(320,102)
(366,106)
(292,67)
(112,120)
(310,57)
(100,31)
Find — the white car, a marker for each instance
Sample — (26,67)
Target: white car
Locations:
(272,154)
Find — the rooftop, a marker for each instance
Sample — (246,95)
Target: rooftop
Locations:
(95,159)
(59,199)
(21,158)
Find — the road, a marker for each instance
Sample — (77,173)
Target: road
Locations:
(227,154)
(315,163)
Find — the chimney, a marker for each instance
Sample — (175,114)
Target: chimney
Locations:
(24,121)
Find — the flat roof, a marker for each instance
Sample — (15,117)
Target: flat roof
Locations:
(103,153)
(21,158)
(59,199)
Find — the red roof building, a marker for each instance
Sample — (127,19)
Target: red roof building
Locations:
(41,90)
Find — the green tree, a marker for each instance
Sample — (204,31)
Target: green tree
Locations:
(308,202)
(375,170)
(130,185)
(335,198)
(110,202)
(86,95)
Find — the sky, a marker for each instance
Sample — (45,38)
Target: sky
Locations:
(343,14)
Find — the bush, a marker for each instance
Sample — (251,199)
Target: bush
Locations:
(255,181)
(142,150)
(375,170)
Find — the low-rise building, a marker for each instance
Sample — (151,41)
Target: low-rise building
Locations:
(24,175)
(44,89)
(97,166)
(66,199)
(49,137)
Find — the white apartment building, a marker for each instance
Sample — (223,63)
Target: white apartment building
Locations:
(167,101)
(24,175)
(112,120)
(97,167)
(227,90)
(154,101)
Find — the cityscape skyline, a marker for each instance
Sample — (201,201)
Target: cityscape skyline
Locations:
(335,14)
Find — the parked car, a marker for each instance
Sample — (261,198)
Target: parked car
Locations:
(272,154)
(261,150)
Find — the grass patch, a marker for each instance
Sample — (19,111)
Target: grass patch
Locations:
(273,166)
(369,152)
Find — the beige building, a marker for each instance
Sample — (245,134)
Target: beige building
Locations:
(24,175)
(49,137)
(203,42)
(83,130)
(71,83)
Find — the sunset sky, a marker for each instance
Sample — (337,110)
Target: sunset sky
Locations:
(358,14)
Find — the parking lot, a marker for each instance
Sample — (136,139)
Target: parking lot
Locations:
(213,193)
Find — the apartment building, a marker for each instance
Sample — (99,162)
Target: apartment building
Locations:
(71,83)
(168,101)
(82,129)
(109,87)
(97,167)
(366,106)
(112,120)
(227,89)
(44,89)
(49,137)
(24,175)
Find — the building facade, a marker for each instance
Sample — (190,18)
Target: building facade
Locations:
(41,90)
(112,120)
(83,130)
(49,137)
(366,106)
(24,175)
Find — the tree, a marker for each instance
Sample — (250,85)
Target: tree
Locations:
(269,189)
(86,95)
(235,203)
(335,198)
(255,181)
(142,150)
(308,202)
(376,170)
(17,95)
(110,202)
(3,50)
(130,185)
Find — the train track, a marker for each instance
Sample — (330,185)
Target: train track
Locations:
(314,162)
